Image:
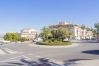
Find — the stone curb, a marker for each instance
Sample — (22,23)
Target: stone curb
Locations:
(46,46)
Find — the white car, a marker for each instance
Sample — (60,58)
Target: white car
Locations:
(66,39)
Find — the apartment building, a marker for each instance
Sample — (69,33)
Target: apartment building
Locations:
(77,31)
(28,33)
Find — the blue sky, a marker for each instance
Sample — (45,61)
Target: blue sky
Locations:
(19,14)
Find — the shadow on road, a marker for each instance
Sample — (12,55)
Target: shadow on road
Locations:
(96,52)
(72,61)
(40,62)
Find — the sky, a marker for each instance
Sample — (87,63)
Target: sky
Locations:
(18,14)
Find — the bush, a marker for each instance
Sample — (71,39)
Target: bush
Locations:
(55,43)
(22,39)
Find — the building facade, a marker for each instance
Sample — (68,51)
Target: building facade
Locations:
(77,31)
(28,33)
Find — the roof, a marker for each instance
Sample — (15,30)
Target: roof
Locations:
(26,29)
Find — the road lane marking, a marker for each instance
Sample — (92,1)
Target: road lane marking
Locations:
(10,51)
(2,52)
(13,59)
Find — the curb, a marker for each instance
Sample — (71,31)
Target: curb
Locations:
(46,46)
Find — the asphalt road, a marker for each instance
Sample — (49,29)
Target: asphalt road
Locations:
(85,50)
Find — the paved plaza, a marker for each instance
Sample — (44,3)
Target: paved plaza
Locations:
(29,54)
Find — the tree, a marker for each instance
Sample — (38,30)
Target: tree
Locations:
(8,36)
(60,34)
(94,32)
(14,37)
(97,29)
(88,29)
(64,33)
(22,39)
(54,33)
(83,26)
(46,33)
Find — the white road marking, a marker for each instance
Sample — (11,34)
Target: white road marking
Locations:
(2,52)
(14,58)
(10,51)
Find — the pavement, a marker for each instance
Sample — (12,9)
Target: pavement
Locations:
(31,55)
(85,63)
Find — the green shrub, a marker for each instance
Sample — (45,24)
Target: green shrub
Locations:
(55,43)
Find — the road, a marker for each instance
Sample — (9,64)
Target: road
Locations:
(15,52)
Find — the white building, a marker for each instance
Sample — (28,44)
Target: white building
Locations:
(28,33)
(77,31)
(77,34)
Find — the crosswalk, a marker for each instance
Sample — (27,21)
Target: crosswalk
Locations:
(4,51)
(23,60)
